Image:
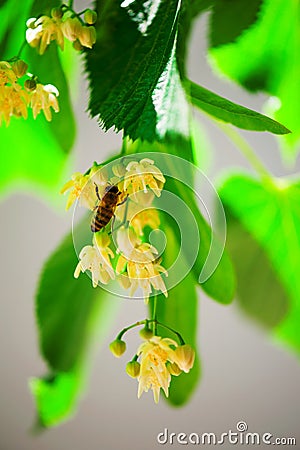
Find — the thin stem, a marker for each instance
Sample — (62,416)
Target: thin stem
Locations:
(82,12)
(71,4)
(154,315)
(180,338)
(21,49)
(141,322)
(246,149)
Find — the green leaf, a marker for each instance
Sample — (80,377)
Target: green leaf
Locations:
(67,312)
(34,151)
(133,70)
(270,212)
(265,57)
(265,298)
(230,18)
(56,396)
(179,311)
(227,111)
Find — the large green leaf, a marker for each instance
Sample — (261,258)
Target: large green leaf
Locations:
(270,212)
(34,151)
(132,68)
(67,312)
(179,311)
(265,298)
(230,112)
(230,18)
(266,57)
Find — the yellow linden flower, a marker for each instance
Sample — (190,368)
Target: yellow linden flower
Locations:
(143,175)
(145,217)
(71,28)
(77,185)
(13,102)
(87,36)
(42,31)
(83,187)
(96,259)
(7,75)
(44,98)
(185,357)
(142,267)
(155,353)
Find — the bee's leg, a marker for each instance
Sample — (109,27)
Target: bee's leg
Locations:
(97,192)
(123,201)
(124,218)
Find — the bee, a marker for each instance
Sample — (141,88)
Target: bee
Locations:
(105,210)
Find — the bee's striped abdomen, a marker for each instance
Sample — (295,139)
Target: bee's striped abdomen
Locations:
(101,218)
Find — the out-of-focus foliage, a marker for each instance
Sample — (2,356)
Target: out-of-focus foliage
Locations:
(230,18)
(270,212)
(67,313)
(34,151)
(265,57)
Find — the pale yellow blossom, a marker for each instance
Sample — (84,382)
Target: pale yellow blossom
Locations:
(141,265)
(143,175)
(42,31)
(71,28)
(147,217)
(97,259)
(43,98)
(79,190)
(7,75)
(155,353)
(13,102)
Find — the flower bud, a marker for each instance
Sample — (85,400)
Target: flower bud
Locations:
(117,347)
(185,357)
(133,369)
(87,36)
(71,28)
(174,369)
(20,68)
(90,16)
(30,84)
(57,13)
(77,46)
(146,333)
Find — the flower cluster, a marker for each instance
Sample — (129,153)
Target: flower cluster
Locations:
(63,23)
(137,264)
(16,98)
(159,359)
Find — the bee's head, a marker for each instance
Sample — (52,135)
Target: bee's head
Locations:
(112,188)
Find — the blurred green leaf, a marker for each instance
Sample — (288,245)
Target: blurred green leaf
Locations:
(179,311)
(34,151)
(56,396)
(133,70)
(67,312)
(266,57)
(270,212)
(230,18)
(265,298)
(227,111)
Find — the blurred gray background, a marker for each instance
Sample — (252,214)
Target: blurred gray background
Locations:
(245,375)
